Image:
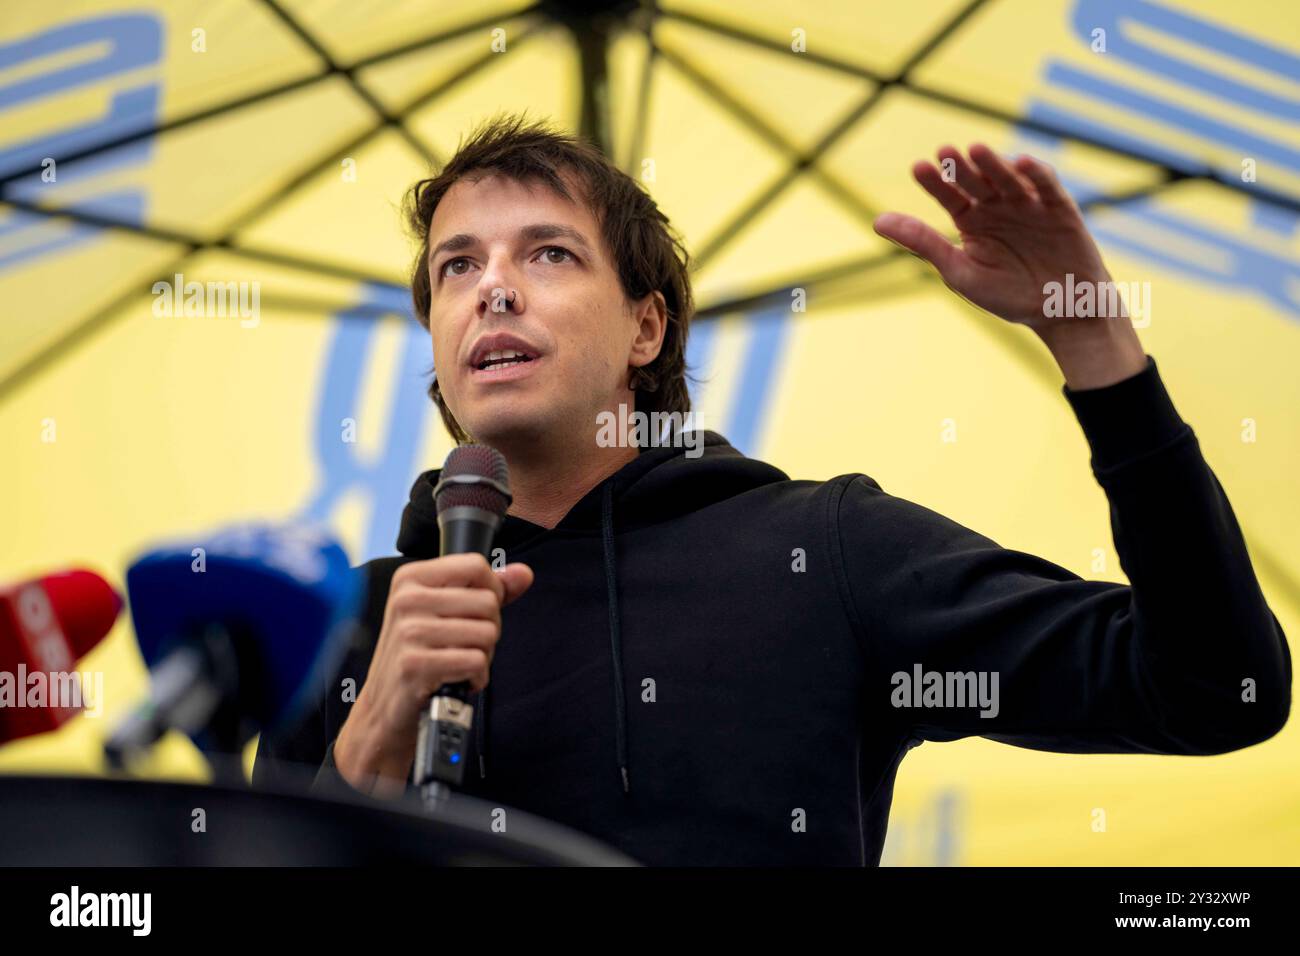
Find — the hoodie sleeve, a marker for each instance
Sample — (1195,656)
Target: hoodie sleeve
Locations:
(300,761)
(301,758)
(1187,659)
(289,760)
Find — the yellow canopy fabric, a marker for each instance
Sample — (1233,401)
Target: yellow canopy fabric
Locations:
(267,145)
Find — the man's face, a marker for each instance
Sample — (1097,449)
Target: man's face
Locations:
(570,320)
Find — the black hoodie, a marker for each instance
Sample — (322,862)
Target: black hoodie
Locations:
(711,666)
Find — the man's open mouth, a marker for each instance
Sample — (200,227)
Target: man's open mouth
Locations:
(503,358)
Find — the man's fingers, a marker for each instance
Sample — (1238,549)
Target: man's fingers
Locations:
(1044,179)
(968,177)
(1003,177)
(433,633)
(950,197)
(919,238)
(419,599)
(517,579)
(424,671)
(453,570)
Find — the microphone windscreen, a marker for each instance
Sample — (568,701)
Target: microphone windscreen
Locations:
(86,606)
(287,591)
(474,476)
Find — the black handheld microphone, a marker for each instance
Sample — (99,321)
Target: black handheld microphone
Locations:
(472,495)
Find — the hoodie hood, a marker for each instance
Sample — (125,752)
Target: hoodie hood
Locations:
(656,486)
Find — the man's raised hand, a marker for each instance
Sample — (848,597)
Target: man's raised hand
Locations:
(1019,230)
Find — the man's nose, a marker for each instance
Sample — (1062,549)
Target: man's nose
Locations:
(498,291)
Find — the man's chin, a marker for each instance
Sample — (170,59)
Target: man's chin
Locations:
(504,428)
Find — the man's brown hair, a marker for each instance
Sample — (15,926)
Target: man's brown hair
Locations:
(646,252)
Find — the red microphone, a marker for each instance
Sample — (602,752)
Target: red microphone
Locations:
(46,626)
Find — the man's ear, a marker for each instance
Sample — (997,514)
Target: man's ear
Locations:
(651,315)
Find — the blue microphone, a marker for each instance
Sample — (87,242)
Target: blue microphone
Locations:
(239,633)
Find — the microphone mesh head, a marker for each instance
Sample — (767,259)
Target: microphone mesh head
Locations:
(491,492)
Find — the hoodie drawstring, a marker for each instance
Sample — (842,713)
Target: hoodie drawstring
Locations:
(481,729)
(615,640)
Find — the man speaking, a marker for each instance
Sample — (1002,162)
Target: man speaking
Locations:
(701,661)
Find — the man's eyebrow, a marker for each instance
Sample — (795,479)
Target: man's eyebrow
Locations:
(554,230)
(457,243)
(531,233)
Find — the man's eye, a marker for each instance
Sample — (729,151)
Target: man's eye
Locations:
(447,269)
(557,249)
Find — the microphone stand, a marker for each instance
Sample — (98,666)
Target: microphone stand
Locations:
(198,691)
